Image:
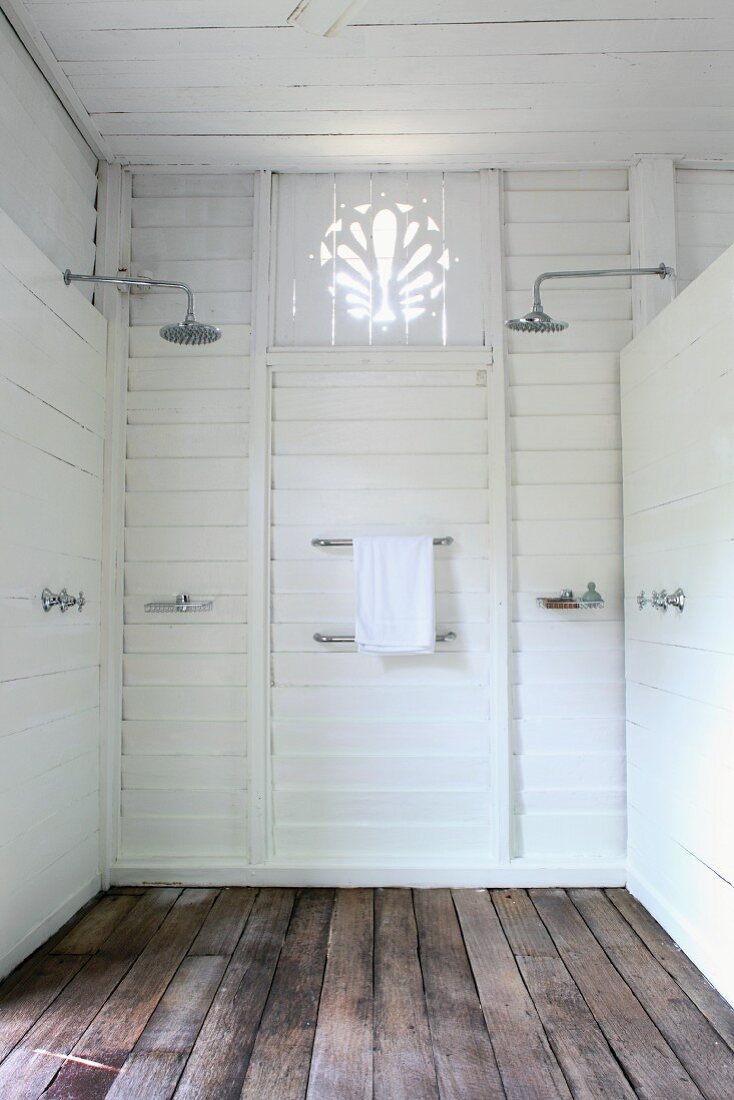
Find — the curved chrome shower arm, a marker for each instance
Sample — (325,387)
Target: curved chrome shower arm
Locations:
(70,277)
(661,270)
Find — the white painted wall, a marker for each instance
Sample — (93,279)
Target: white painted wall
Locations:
(183,769)
(52,382)
(705,219)
(383,762)
(52,375)
(566,504)
(677,409)
(48,175)
(184,696)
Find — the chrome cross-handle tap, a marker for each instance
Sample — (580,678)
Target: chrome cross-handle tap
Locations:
(62,600)
(643,600)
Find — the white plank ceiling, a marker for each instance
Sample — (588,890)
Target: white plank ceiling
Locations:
(455,82)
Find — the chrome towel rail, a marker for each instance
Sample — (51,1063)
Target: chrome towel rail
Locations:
(326,639)
(446,540)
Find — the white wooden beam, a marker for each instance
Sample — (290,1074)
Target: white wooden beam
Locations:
(113,252)
(653,235)
(25,26)
(258,584)
(500,517)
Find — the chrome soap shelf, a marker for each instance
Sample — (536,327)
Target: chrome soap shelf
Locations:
(566,601)
(182,602)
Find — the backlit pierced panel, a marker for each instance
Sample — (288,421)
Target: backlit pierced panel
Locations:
(379,259)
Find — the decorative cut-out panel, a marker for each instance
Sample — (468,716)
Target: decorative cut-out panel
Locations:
(379,259)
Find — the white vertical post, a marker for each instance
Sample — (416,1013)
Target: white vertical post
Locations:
(258,583)
(113,255)
(500,517)
(653,234)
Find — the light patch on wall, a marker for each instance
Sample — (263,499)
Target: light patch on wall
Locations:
(389,263)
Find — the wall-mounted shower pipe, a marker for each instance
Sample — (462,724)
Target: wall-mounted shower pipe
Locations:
(188,331)
(539,321)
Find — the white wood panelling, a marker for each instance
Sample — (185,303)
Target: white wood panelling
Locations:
(423,82)
(184,694)
(358,772)
(705,217)
(678,524)
(48,180)
(567,510)
(51,523)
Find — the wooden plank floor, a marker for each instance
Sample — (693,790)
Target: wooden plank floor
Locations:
(353,994)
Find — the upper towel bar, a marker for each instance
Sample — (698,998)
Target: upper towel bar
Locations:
(445,541)
(450,636)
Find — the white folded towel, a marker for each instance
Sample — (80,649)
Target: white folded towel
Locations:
(395,594)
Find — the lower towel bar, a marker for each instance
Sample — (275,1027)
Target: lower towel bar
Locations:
(450,636)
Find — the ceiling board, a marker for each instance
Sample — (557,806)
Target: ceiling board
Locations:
(228,83)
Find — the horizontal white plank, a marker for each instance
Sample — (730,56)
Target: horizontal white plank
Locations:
(182,838)
(381,808)
(590,368)
(157,212)
(366,772)
(196,509)
(145,474)
(366,403)
(570,667)
(589,700)
(220,669)
(567,536)
(173,185)
(438,436)
(381,472)
(196,773)
(32,752)
(560,400)
(187,440)
(566,467)
(350,736)
(579,433)
(338,669)
(443,507)
(187,406)
(214,578)
(190,703)
(191,243)
(578,502)
(569,735)
(231,307)
(565,205)
(55,647)
(183,803)
(576,835)
(183,738)
(36,423)
(37,700)
(357,842)
(217,373)
(556,773)
(314,703)
(22,565)
(170,544)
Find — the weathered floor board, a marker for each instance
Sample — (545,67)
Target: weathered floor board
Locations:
(358,994)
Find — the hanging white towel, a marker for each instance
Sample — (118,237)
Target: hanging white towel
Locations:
(395,589)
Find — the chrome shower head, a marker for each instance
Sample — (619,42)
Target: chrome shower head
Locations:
(190,332)
(539,321)
(536,321)
(187,332)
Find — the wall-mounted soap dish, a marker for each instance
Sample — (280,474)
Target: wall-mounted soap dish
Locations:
(183,602)
(566,601)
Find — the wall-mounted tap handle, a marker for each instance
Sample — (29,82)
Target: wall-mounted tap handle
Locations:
(642,600)
(62,600)
(676,599)
(660,600)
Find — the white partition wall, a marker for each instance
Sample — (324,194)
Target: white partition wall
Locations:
(52,415)
(677,416)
